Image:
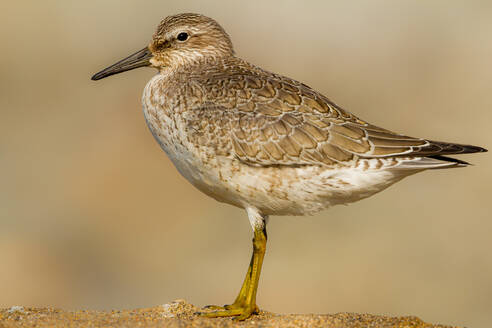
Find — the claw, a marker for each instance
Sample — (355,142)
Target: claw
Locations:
(239,311)
(221,313)
(214,307)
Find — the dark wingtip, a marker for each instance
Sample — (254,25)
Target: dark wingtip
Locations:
(458,149)
(447,148)
(468,149)
(450,159)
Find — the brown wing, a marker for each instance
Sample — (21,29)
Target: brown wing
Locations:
(277,121)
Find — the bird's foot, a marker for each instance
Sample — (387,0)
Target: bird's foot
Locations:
(237,310)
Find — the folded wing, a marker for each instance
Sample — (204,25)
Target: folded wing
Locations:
(278,121)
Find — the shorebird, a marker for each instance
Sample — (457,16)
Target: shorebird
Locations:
(262,141)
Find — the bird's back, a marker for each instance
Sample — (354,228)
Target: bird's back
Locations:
(268,119)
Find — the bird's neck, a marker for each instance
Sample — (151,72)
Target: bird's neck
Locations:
(197,65)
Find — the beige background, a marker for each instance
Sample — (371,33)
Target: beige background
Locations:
(94,215)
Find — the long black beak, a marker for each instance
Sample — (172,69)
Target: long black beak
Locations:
(139,59)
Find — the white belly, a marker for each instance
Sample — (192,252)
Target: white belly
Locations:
(279,190)
(301,190)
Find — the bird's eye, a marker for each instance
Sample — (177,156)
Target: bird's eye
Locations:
(183,36)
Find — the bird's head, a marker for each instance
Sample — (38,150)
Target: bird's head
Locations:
(181,39)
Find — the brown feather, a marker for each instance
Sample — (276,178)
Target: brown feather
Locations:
(289,123)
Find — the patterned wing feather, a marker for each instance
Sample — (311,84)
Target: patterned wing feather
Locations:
(273,120)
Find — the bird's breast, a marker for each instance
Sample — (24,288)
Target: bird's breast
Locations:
(165,121)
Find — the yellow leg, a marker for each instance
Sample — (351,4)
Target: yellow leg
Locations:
(241,297)
(245,304)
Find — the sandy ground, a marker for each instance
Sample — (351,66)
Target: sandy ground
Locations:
(181,314)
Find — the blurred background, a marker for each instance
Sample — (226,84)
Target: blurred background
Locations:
(94,215)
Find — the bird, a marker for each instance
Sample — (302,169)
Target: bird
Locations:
(262,141)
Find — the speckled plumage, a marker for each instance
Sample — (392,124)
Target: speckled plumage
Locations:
(253,138)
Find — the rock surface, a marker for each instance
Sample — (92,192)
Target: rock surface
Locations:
(181,314)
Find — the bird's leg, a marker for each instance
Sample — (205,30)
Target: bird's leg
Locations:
(249,301)
(245,304)
(241,297)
